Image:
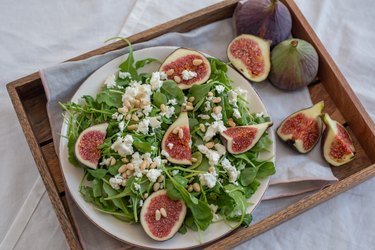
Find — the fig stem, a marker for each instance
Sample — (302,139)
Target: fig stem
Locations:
(294,43)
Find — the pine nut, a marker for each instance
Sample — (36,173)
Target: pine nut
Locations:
(123,183)
(128,117)
(191,99)
(130,166)
(143,165)
(137,103)
(211,169)
(190,188)
(163,108)
(113,161)
(210,94)
(132,127)
(135,118)
(191,180)
(122,169)
(231,123)
(161,178)
(145,195)
(217,109)
(125,160)
(175,130)
(123,110)
(205,117)
(180,133)
(124,175)
(193,159)
(189,108)
(157,215)
(177,79)
(153,165)
(189,104)
(127,104)
(216,100)
(170,72)
(156,186)
(197,62)
(202,127)
(129,172)
(210,144)
(164,161)
(163,212)
(196,187)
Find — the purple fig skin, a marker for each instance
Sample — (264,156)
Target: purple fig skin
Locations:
(294,64)
(269,19)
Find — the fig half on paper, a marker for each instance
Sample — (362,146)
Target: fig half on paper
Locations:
(302,129)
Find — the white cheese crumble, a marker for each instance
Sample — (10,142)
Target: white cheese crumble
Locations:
(157,160)
(172,102)
(187,74)
(123,145)
(117,116)
(213,129)
(220,149)
(147,110)
(232,172)
(214,208)
(156,80)
(208,179)
(116,181)
(232,97)
(220,89)
(207,106)
(170,145)
(169,111)
(137,186)
(106,162)
(212,155)
(154,122)
(110,82)
(153,175)
(121,126)
(124,75)
(217,117)
(242,92)
(141,203)
(204,117)
(165,153)
(175,172)
(143,126)
(137,91)
(259,114)
(236,113)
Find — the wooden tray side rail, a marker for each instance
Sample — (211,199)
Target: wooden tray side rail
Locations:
(29,101)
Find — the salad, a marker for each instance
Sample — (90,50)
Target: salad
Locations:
(190,140)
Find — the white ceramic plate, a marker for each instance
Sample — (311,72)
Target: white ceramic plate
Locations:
(134,234)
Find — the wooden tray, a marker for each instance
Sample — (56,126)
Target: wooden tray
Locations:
(29,101)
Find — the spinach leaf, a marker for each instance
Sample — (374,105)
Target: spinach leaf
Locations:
(248,175)
(266,169)
(111,97)
(97,187)
(171,91)
(200,92)
(159,98)
(239,199)
(263,144)
(97,173)
(143,147)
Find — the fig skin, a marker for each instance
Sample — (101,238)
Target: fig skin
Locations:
(268,19)
(239,64)
(294,63)
(313,112)
(180,53)
(329,135)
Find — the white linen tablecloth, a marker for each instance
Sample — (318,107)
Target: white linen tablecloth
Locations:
(34,35)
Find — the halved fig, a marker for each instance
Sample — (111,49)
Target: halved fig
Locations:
(337,145)
(302,129)
(161,217)
(187,68)
(242,138)
(251,56)
(176,141)
(86,147)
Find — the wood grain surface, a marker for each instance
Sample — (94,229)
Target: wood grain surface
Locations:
(29,101)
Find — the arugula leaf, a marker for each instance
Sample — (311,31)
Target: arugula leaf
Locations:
(141,63)
(97,173)
(113,98)
(239,199)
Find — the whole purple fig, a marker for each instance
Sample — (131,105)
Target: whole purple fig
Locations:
(268,19)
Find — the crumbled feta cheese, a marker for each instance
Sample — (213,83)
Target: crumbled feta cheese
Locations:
(187,74)
(217,117)
(137,91)
(157,160)
(106,162)
(232,97)
(220,149)
(116,181)
(232,172)
(147,110)
(163,75)
(110,82)
(170,145)
(137,161)
(204,117)
(121,126)
(172,102)
(153,175)
(212,155)
(141,203)
(165,153)
(220,89)
(137,186)
(169,111)
(236,113)
(123,145)
(156,81)
(208,179)
(207,106)
(147,157)
(143,126)
(214,208)
(259,114)
(154,122)
(175,172)
(124,75)
(213,129)
(242,92)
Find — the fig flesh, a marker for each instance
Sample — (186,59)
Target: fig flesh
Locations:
(161,217)
(268,19)
(242,138)
(176,141)
(295,64)
(337,144)
(186,67)
(86,147)
(251,56)
(302,129)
